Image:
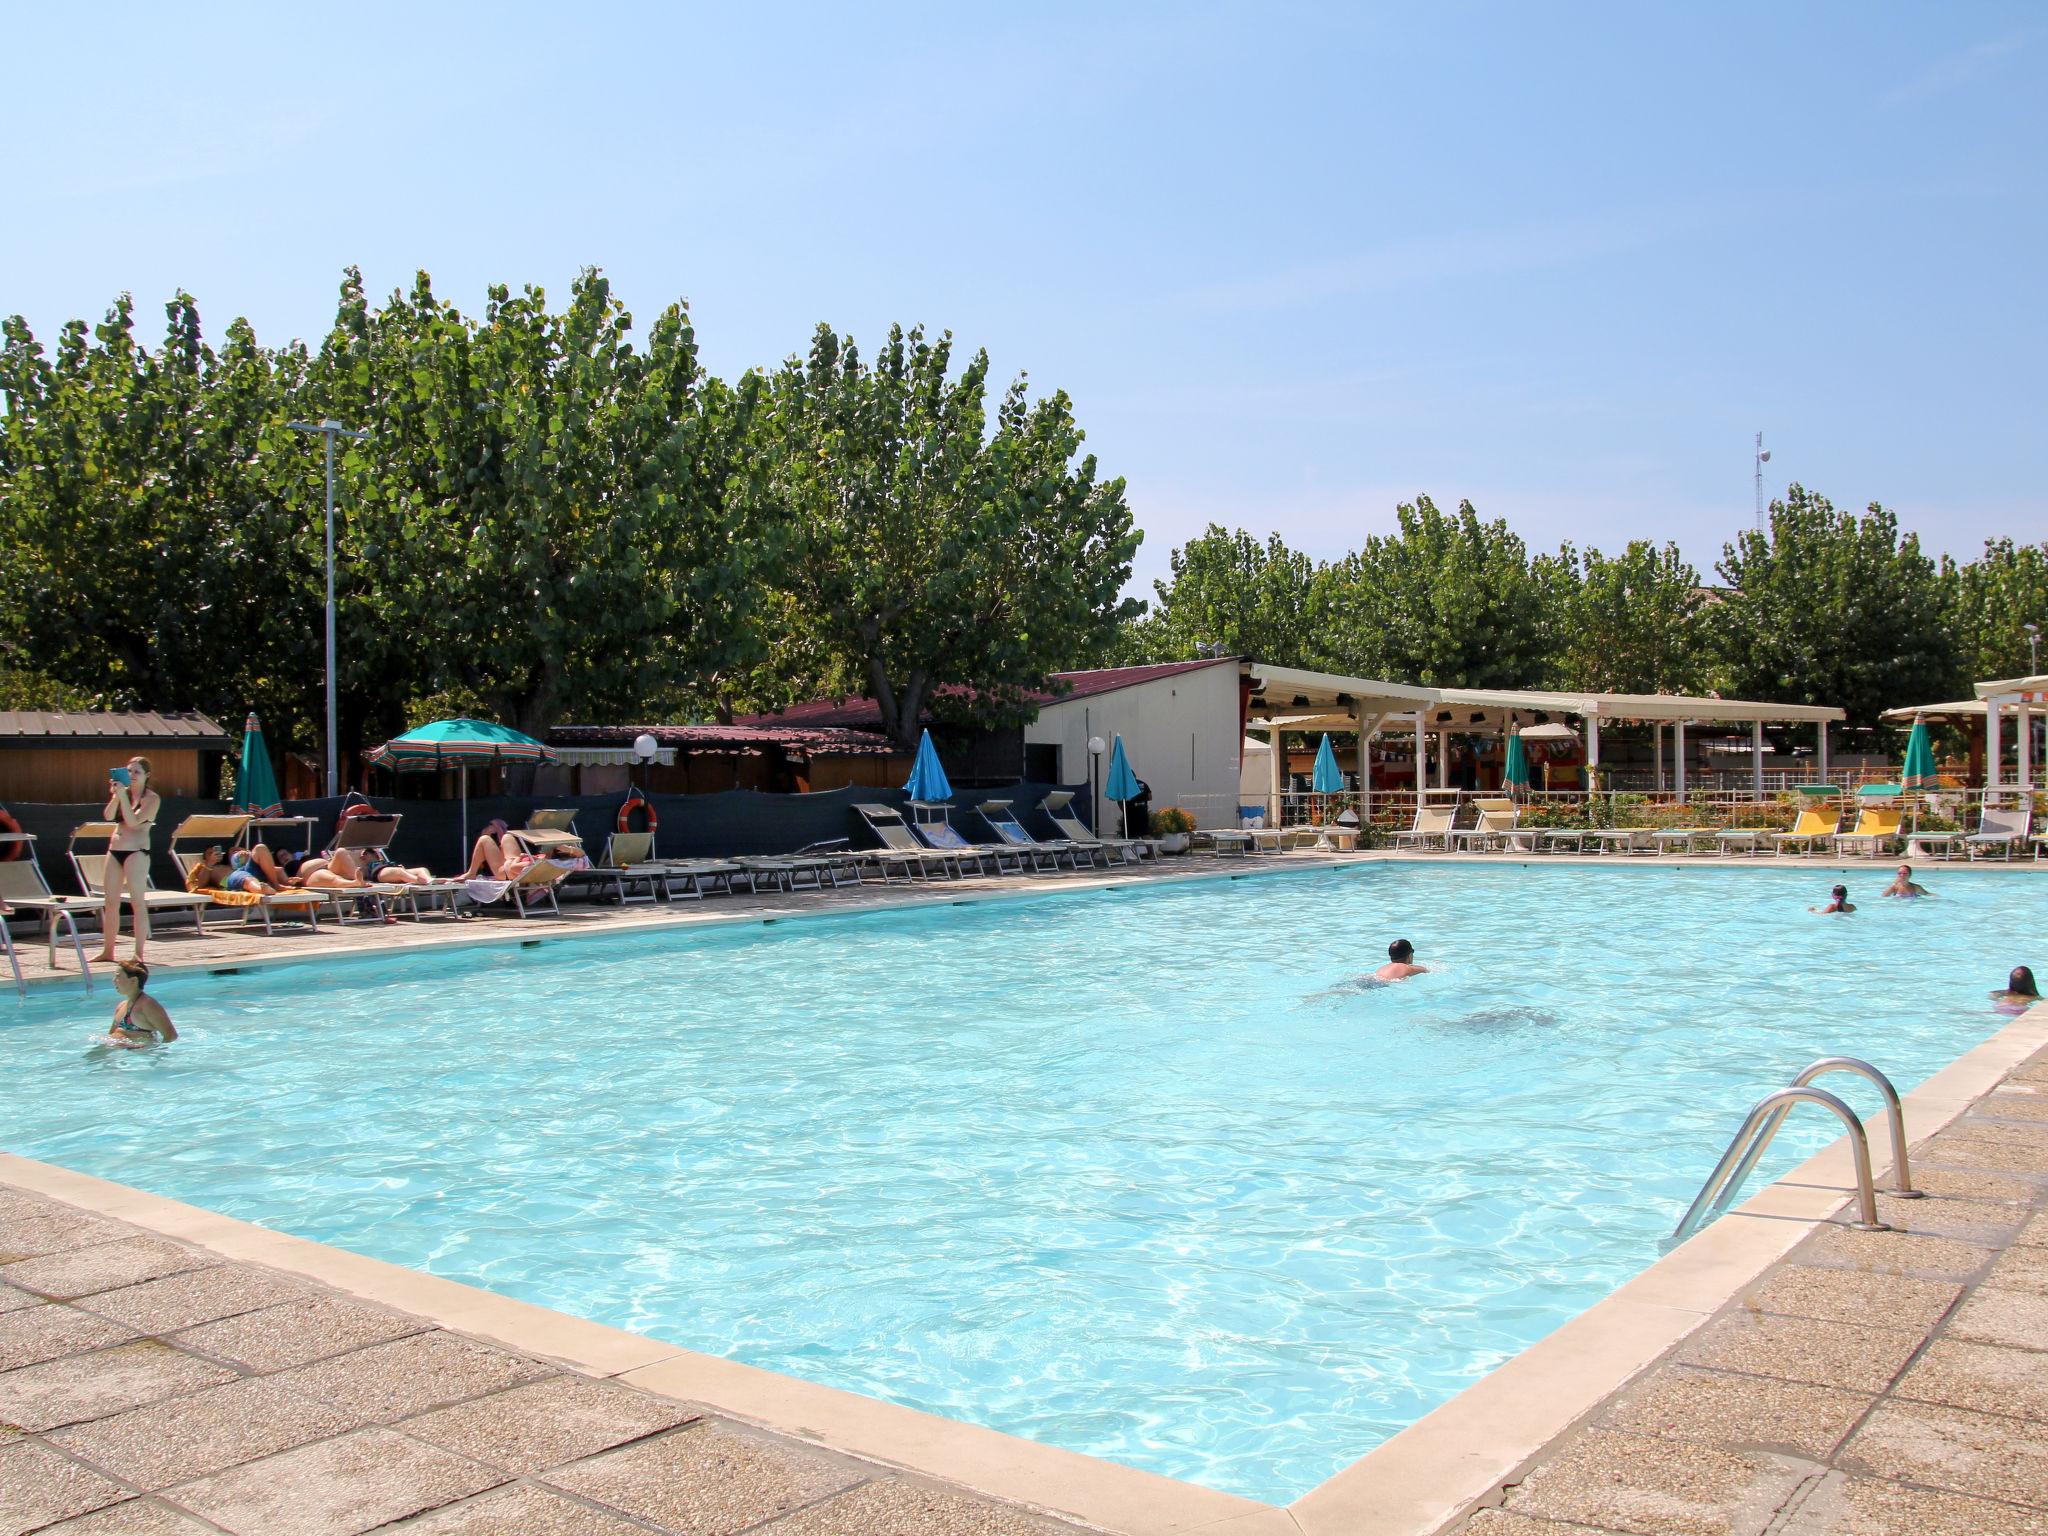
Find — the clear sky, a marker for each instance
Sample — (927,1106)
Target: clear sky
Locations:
(1294,263)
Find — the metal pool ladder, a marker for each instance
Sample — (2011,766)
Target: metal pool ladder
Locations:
(1768,1114)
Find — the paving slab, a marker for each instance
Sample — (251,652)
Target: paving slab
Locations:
(2015,1319)
(1975,1184)
(531,1428)
(705,1479)
(1854,1296)
(38,1488)
(1991,1156)
(2020,1269)
(1654,1487)
(297,1333)
(1915,1254)
(102,1267)
(136,1517)
(520,1509)
(2035,1233)
(2014,1106)
(2008,1133)
(30,1234)
(335,1488)
(1985,1455)
(410,1375)
(197,1296)
(1982,1377)
(1838,1355)
(1744,1412)
(12,1300)
(1503,1522)
(104,1382)
(1858,1506)
(897,1508)
(32,1334)
(1982,1223)
(188,1437)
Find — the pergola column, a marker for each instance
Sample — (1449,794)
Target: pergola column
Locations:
(1592,751)
(1276,773)
(1443,759)
(1678,751)
(1821,755)
(1365,725)
(1657,753)
(2025,723)
(1993,769)
(1756,757)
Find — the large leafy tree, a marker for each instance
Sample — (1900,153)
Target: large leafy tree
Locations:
(937,559)
(1829,607)
(1448,600)
(146,561)
(1632,623)
(1992,600)
(1227,589)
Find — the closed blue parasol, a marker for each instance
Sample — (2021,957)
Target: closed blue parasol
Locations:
(927,779)
(1123,786)
(1328,779)
(255,781)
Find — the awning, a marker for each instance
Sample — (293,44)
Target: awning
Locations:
(609,757)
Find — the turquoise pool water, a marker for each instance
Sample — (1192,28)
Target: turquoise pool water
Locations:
(1131,1173)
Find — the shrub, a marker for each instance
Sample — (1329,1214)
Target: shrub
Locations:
(1170,820)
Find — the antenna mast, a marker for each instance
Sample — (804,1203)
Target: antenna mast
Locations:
(1763,457)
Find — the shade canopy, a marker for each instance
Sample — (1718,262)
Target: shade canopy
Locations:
(1919,771)
(1328,779)
(1516,773)
(1122,784)
(255,781)
(458,744)
(928,780)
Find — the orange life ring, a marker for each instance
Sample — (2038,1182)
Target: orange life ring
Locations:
(9,852)
(637,801)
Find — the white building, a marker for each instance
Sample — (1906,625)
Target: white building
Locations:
(1182,723)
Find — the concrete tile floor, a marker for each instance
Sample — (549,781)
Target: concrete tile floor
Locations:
(1872,1384)
(148,1388)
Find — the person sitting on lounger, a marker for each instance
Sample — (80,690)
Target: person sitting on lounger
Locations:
(499,856)
(1904,886)
(358,866)
(139,1019)
(2020,991)
(1400,963)
(1838,902)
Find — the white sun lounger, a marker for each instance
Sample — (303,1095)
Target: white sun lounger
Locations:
(91,869)
(1058,805)
(23,888)
(1001,815)
(1432,824)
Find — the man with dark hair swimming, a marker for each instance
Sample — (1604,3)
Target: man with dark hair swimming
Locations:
(1400,963)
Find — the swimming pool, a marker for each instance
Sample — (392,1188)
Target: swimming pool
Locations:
(1128,1172)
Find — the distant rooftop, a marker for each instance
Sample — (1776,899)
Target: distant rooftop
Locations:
(856,713)
(109,728)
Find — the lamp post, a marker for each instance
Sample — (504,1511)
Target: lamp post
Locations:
(1096,747)
(330,429)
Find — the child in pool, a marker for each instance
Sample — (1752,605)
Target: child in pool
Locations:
(139,1019)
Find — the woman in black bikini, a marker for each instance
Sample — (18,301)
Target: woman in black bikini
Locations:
(132,807)
(139,1019)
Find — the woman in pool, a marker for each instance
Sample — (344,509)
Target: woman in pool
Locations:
(1838,901)
(132,807)
(1905,887)
(2020,992)
(139,1019)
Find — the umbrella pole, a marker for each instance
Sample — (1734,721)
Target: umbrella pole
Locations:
(463,851)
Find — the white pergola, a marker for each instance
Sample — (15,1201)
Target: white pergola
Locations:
(1490,708)
(1291,699)
(2024,697)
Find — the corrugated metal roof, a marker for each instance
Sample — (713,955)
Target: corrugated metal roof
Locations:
(863,714)
(109,727)
(819,741)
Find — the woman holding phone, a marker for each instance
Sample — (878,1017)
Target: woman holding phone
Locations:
(132,807)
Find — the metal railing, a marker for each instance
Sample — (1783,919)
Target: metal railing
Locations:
(1767,1116)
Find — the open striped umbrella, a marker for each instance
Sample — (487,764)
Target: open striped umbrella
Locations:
(461,744)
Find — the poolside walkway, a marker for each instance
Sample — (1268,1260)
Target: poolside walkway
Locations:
(147,1388)
(1872,1384)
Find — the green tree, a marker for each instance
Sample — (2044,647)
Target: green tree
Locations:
(1448,600)
(936,561)
(1831,608)
(1992,600)
(1227,589)
(1631,624)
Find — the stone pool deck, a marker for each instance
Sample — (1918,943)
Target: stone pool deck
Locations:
(1871,1384)
(149,1388)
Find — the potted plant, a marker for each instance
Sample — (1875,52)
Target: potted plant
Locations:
(1172,826)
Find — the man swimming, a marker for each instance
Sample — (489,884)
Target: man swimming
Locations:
(1838,901)
(1400,963)
(1905,886)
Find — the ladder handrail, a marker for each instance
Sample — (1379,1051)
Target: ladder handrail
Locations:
(1776,1104)
(1902,1175)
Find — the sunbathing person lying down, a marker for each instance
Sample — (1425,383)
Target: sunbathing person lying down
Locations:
(498,855)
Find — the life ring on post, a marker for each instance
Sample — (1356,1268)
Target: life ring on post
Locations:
(11,851)
(637,802)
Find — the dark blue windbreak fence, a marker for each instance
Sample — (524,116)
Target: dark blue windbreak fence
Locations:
(691,826)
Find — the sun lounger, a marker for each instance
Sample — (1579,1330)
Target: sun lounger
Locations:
(938,830)
(1876,830)
(1733,840)
(23,888)
(1001,815)
(1622,840)
(902,852)
(1814,825)
(535,886)
(195,834)
(2002,828)
(1677,839)
(790,871)
(1221,839)
(1432,824)
(1058,806)
(91,869)
(1558,839)
(372,836)
(1496,828)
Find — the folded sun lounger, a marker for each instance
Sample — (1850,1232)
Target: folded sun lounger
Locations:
(1059,808)
(934,823)
(901,852)
(1001,816)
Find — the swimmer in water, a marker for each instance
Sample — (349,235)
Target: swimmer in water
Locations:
(1905,886)
(1400,963)
(1838,901)
(2020,991)
(139,1019)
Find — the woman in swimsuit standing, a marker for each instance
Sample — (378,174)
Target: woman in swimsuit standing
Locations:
(132,807)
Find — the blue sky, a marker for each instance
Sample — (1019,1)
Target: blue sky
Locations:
(1294,263)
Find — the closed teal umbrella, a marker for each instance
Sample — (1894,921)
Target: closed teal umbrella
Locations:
(928,781)
(459,744)
(1919,771)
(255,781)
(1516,774)
(1328,778)
(1122,785)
